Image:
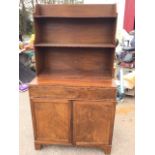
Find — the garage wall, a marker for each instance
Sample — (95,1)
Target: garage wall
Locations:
(120,9)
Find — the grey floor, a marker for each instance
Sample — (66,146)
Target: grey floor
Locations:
(123,138)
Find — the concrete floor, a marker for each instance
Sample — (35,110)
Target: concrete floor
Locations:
(123,137)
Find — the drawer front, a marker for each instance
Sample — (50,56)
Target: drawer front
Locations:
(61,92)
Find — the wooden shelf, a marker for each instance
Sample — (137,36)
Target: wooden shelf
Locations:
(76,17)
(75,45)
(74,79)
(75,11)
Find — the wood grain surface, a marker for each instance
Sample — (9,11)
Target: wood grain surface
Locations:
(76,31)
(99,10)
(78,61)
(73,95)
(52,119)
(92,122)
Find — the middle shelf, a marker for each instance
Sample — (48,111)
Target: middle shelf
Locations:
(107,45)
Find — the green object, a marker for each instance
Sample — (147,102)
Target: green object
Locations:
(30,53)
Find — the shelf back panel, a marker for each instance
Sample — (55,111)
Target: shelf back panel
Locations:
(81,60)
(86,10)
(76,31)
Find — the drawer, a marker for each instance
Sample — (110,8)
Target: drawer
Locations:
(61,92)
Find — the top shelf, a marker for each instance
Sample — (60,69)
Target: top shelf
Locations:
(75,17)
(75,11)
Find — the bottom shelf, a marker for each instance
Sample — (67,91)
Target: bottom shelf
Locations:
(74,79)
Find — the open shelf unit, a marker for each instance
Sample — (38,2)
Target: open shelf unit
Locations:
(79,34)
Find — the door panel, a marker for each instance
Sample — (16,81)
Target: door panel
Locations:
(93,122)
(52,120)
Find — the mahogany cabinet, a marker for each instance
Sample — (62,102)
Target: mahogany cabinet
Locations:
(73,95)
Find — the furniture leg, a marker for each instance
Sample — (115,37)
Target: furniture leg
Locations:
(107,149)
(38,146)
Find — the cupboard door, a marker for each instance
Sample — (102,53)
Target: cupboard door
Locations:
(93,122)
(51,120)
